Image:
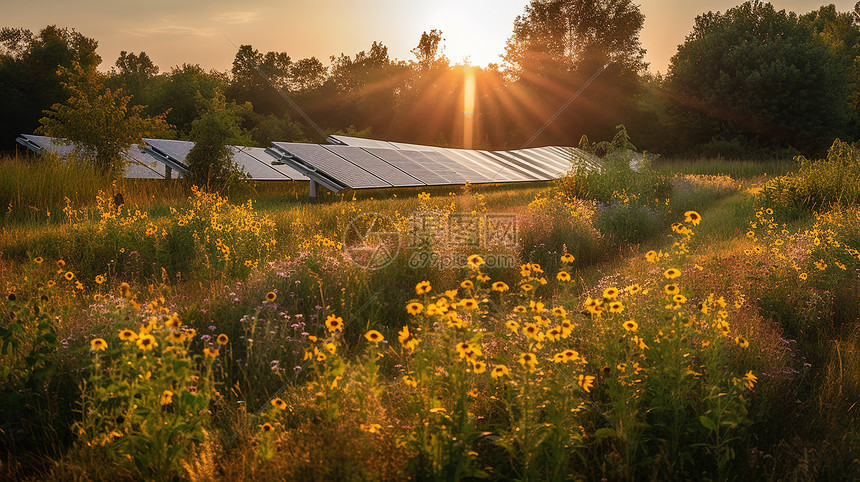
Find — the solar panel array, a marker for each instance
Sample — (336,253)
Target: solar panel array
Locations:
(138,165)
(354,163)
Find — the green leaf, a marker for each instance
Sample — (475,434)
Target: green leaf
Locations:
(707,423)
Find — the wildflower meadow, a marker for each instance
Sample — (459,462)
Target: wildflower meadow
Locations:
(624,325)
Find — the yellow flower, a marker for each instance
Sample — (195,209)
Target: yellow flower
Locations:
(479,367)
(271,296)
(374,336)
(127,335)
(61,263)
(531,330)
(176,337)
(475,261)
(527,287)
(422,287)
(750,379)
(634,289)
(500,286)
(610,293)
(671,289)
(586,382)
(403,335)
(222,339)
(98,344)
(69,275)
(520,309)
(469,304)
(334,323)
(166,397)
(513,326)
(499,371)
(279,404)
(125,290)
(563,276)
(692,217)
(528,360)
(567,258)
(467,284)
(173,321)
(803,276)
(631,325)
(651,256)
(414,308)
(616,307)
(483,277)
(412,382)
(38,260)
(680,299)
(100,279)
(146,342)
(570,355)
(742,341)
(211,352)
(672,273)
(424,196)
(267,427)
(559,311)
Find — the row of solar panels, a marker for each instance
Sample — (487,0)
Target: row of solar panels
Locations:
(354,163)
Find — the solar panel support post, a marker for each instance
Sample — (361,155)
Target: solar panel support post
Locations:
(313,191)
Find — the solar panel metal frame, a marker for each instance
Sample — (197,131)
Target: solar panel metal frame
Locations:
(375,165)
(164,150)
(319,159)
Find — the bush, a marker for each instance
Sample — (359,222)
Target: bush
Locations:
(821,183)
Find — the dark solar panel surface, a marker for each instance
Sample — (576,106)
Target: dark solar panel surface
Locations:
(375,165)
(398,159)
(333,165)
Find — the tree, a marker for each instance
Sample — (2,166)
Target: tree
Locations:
(760,76)
(133,72)
(178,91)
(29,82)
(98,120)
(307,74)
(257,78)
(556,46)
(210,161)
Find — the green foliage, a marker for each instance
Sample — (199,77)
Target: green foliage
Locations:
(210,161)
(760,75)
(145,402)
(98,120)
(819,184)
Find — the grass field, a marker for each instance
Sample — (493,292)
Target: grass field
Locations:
(698,320)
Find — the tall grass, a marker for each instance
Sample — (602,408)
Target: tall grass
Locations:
(738,169)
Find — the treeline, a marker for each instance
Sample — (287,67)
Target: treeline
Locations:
(750,81)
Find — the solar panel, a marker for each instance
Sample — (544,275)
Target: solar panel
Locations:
(504,168)
(550,157)
(358,142)
(254,167)
(486,166)
(50,144)
(141,166)
(375,165)
(538,158)
(451,177)
(318,158)
(457,167)
(412,147)
(524,166)
(398,159)
(258,156)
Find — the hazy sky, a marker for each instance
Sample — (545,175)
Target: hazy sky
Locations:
(197,31)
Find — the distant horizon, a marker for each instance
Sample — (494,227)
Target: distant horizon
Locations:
(198,32)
